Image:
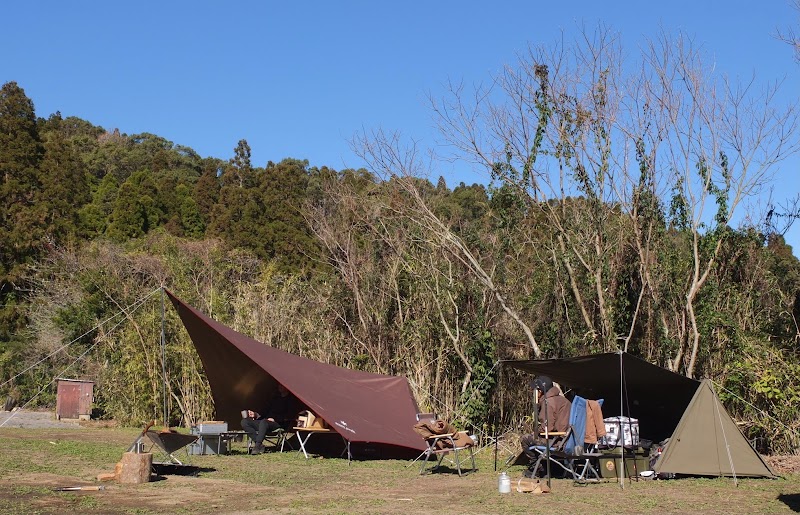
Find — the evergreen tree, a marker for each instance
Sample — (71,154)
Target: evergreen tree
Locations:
(236,216)
(95,216)
(20,155)
(240,171)
(135,210)
(206,190)
(283,232)
(64,186)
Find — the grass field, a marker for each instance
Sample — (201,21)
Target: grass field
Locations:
(35,461)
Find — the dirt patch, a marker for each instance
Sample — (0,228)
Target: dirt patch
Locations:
(38,461)
(34,420)
(782,465)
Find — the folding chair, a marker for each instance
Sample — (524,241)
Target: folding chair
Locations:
(423,417)
(441,444)
(277,440)
(569,450)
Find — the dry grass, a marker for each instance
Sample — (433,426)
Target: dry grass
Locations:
(36,461)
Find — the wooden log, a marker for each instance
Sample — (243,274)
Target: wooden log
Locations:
(114,476)
(135,468)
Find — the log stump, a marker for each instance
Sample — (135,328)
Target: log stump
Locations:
(135,467)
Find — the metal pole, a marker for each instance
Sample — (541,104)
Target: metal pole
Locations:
(547,438)
(494,430)
(620,473)
(164,358)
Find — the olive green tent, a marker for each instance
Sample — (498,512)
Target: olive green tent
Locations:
(708,443)
(703,439)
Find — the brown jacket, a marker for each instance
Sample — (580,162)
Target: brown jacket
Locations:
(554,411)
(595,427)
(428,429)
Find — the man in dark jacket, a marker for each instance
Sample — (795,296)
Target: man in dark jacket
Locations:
(553,410)
(278,413)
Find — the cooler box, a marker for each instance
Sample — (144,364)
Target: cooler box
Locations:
(209,441)
(621,431)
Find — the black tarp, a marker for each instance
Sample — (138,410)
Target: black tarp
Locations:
(628,385)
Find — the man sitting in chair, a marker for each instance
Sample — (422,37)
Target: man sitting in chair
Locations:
(553,409)
(281,408)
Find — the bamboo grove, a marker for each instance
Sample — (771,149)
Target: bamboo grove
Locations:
(618,216)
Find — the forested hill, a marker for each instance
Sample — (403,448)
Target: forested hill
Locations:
(67,180)
(391,274)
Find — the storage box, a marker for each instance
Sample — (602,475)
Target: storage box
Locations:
(611,466)
(621,431)
(209,440)
(308,419)
(209,444)
(213,427)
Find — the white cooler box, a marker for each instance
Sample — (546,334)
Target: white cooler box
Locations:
(621,431)
(209,440)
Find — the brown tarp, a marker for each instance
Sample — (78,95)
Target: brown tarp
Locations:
(243,374)
(667,405)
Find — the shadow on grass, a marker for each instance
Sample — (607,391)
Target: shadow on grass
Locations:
(167,469)
(791,500)
(444,469)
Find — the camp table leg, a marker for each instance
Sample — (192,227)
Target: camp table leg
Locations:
(302,437)
(304,433)
(347,450)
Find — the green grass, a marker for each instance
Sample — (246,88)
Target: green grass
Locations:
(36,461)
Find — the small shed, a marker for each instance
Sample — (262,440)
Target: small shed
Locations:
(74,399)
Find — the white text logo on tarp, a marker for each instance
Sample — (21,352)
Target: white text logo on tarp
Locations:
(343,425)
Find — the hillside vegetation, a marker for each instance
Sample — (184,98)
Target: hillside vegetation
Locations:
(616,218)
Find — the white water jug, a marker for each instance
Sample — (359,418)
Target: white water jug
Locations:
(504,483)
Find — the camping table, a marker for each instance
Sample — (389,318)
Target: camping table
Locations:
(304,433)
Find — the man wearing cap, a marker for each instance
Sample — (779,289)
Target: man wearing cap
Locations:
(553,409)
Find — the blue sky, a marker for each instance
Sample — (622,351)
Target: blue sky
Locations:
(300,79)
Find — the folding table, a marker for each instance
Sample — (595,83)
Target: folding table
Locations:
(304,433)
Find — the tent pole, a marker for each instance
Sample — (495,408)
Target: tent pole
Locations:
(164,359)
(724,436)
(547,438)
(621,472)
(494,430)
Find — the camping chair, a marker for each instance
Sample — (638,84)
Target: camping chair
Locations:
(569,450)
(276,440)
(442,439)
(423,417)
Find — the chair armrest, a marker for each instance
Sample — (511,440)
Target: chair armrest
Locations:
(443,435)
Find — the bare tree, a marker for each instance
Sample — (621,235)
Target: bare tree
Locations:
(387,155)
(789,36)
(589,140)
(720,144)
(549,128)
